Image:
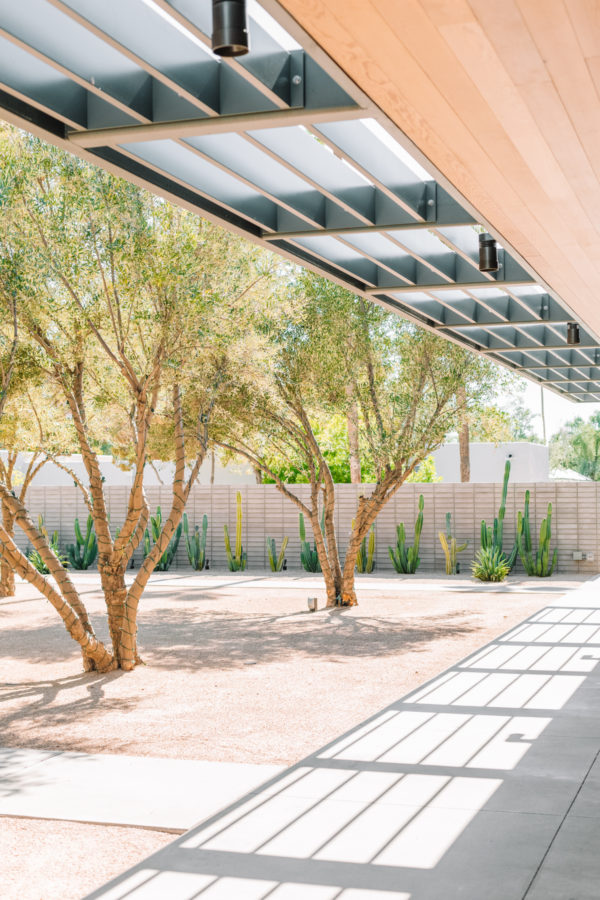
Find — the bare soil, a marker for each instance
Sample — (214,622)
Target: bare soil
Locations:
(238,672)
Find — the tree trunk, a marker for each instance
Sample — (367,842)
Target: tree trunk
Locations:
(463,438)
(353,445)
(7,572)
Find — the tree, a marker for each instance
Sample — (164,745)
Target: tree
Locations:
(577,446)
(404,380)
(134,308)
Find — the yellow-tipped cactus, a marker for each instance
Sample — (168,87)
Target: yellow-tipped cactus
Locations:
(238,562)
(450,547)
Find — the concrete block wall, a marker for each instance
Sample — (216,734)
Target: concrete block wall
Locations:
(267,513)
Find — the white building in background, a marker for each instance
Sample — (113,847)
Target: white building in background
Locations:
(529,462)
(157,473)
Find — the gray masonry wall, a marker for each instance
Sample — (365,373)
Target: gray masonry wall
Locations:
(267,513)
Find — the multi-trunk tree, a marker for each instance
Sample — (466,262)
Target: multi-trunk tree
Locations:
(330,350)
(135,310)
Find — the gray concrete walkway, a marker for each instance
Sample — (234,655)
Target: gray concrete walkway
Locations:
(481,785)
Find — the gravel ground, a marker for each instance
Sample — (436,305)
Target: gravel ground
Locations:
(237,673)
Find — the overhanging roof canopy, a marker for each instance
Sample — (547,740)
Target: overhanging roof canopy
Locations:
(279,145)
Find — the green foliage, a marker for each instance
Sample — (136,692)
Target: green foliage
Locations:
(309,557)
(276,561)
(365,562)
(35,557)
(236,562)
(490,564)
(492,537)
(577,446)
(196,543)
(450,547)
(84,554)
(156,526)
(542,564)
(425,473)
(406,559)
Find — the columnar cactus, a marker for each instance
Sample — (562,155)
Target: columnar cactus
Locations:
(196,543)
(541,564)
(492,538)
(365,561)
(236,562)
(276,561)
(84,554)
(450,547)
(156,526)
(308,556)
(406,559)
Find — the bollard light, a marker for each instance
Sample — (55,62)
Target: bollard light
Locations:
(573,333)
(488,253)
(230,28)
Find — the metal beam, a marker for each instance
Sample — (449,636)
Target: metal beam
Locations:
(359,229)
(181,128)
(448,286)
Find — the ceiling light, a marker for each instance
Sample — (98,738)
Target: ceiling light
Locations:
(488,253)
(230,28)
(573,333)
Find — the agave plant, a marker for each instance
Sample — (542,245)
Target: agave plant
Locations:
(35,557)
(490,564)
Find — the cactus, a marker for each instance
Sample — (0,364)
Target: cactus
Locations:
(492,538)
(35,558)
(365,561)
(168,556)
(237,562)
(196,543)
(541,564)
(406,559)
(84,554)
(450,547)
(309,557)
(276,562)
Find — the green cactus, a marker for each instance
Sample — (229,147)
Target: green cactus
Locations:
(156,526)
(541,564)
(450,547)
(406,559)
(492,538)
(35,558)
(196,543)
(309,556)
(237,562)
(276,561)
(365,562)
(84,554)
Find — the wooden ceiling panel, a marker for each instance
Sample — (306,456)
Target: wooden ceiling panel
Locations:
(502,97)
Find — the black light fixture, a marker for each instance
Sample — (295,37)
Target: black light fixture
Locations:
(573,333)
(230,28)
(488,253)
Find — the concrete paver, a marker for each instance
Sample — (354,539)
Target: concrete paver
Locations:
(166,794)
(481,784)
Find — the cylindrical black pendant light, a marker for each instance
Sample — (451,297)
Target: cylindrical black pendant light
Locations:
(230,28)
(573,333)
(488,253)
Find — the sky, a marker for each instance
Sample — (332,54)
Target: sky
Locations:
(558,410)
